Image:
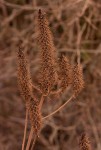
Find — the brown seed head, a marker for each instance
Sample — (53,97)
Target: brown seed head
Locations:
(25,84)
(47,55)
(65,72)
(78,82)
(34,114)
(24,77)
(84,142)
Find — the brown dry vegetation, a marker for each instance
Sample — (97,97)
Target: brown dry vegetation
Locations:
(76,25)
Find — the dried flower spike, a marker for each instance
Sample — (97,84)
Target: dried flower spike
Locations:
(84,143)
(65,72)
(24,77)
(78,82)
(34,114)
(47,55)
(25,83)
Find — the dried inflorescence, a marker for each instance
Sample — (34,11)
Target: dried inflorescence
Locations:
(24,77)
(65,72)
(48,75)
(25,83)
(78,82)
(84,142)
(34,114)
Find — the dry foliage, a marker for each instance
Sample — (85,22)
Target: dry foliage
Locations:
(76,25)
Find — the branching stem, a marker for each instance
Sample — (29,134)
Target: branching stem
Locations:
(58,109)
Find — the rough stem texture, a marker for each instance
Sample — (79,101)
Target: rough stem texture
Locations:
(47,55)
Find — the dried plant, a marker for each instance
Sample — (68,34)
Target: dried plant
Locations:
(84,142)
(25,84)
(34,114)
(65,72)
(24,78)
(48,77)
(76,25)
(78,82)
(47,55)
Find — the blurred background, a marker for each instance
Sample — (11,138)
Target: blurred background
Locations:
(75,24)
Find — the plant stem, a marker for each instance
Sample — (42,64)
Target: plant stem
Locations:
(58,109)
(25,129)
(31,131)
(41,101)
(35,137)
(29,139)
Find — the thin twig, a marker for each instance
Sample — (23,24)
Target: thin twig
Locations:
(31,132)
(80,33)
(24,7)
(90,51)
(36,87)
(56,92)
(41,101)
(29,139)
(25,129)
(58,109)
(35,137)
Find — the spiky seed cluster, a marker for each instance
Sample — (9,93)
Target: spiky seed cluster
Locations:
(47,55)
(78,82)
(65,72)
(84,142)
(34,114)
(25,84)
(24,78)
